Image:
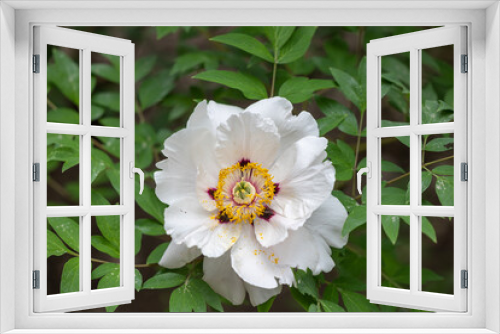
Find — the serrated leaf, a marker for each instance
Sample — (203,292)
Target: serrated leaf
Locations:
(103,245)
(67,229)
(300,89)
(356,218)
(155,88)
(306,283)
(211,298)
(246,43)
(351,88)
(329,306)
(330,293)
(157,253)
(54,245)
(342,157)
(355,302)
(250,86)
(303,300)
(186,299)
(164,281)
(70,278)
(143,66)
(297,45)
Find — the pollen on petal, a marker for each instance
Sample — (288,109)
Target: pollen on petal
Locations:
(243,162)
(267,214)
(211,192)
(276,188)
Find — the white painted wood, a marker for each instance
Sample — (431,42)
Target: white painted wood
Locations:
(414,43)
(189,13)
(85,298)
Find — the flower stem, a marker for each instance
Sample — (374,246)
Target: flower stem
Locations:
(141,265)
(275,66)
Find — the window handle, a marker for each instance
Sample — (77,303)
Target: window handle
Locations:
(141,176)
(362,171)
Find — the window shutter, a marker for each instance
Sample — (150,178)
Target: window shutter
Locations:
(68,231)
(420,124)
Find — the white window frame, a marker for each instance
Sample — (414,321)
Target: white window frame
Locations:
(85,43)
(414,44)
(16,21)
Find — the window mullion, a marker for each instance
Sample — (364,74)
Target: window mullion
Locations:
(85,112)
(415,162)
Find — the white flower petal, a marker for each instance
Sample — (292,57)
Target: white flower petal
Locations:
(210,115)
(304,180)
(249,136)
(256,264)
(187,222)
(185,150)
(328,220)
(291,128)
(259,295)
(219,274)
(177,255)
(302,249)
(275,230)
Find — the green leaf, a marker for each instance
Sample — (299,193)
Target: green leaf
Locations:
(336,112)
(355,302)
(157,253)
(329,306)
(155,88)
(144,141)
(186,299)
(96,112)
(314,308)
(330,293)
(144,66)
(393,196)
(444,190)
(138,280)
(109,226)
(165,31)
(306,283)
(327,124)
(190,61)
(64,74)
(109,100)
(111,308)
(426,180)
(346,200)
(266,306)
(164,281)
(63,115)
(150,227)
(300,89)
(110,280)
(297,46)
(444,170)
(103,245)
(70,278)
(246,43)
(210,297)
(54,245)
(278,36)
(342,157)
(106,71)
(427,227)
(303,300)
(67,229)
(356,218)
(391,227)
(99,162)
(436,112)
(430,276)
(351,88)
(250,86)
(149,202)
(439,145)
(104,269)
(137,241)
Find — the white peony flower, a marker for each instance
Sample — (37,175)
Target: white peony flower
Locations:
(251,191)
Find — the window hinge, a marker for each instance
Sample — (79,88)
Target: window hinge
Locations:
(36,279)
(465,64)
(36,63)
(465,279)
(36,172)
(464,172)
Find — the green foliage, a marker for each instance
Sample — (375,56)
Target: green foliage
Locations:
(318,70)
